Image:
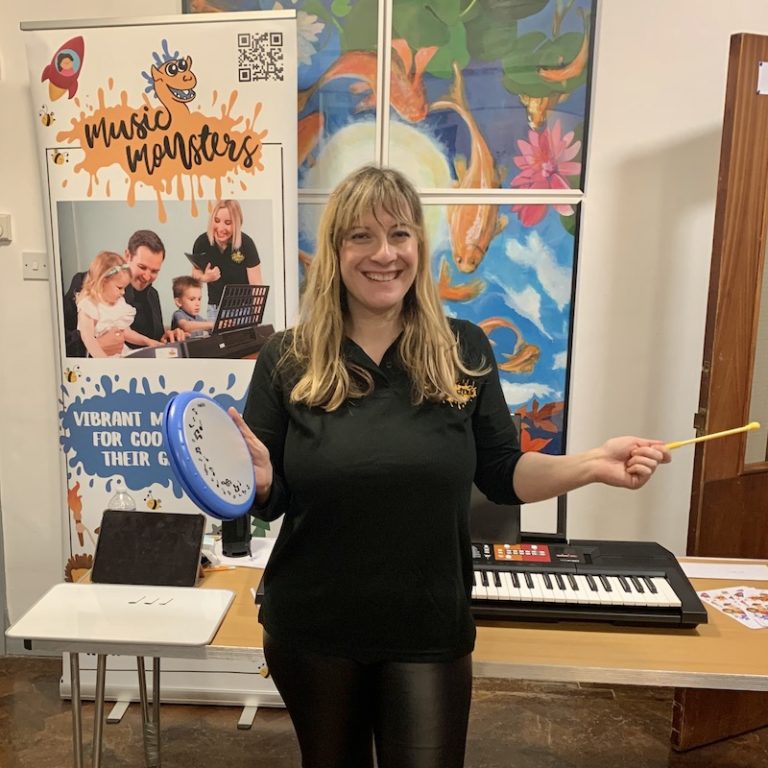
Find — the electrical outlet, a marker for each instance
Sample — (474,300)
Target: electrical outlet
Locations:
(35,265)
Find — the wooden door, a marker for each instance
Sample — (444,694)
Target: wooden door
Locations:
(729,497)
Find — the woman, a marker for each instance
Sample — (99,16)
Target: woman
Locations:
(367,425)
(225,254)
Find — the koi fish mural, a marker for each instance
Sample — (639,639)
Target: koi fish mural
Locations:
(457,292)
(406,90)
(538,107)
(305,259)
(64,69)
(575,67)
(524,356)
(310,130)
(472,226)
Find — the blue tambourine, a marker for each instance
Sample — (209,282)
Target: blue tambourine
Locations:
(209,455)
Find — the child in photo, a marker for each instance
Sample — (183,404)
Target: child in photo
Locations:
(188,295)
(101,306)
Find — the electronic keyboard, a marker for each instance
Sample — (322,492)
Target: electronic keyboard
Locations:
(240,343)
(621,582)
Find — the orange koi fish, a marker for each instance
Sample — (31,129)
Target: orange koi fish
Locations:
(310,128)
(200,6)
(538,107)
(522,360)
(75,504)
(305,259)
(562,74)
(454,292)
(492,323)
(472,226)
(524,356)
(406,89)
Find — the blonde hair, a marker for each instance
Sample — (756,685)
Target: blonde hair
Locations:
(236,214)
(428,348)
(105,265)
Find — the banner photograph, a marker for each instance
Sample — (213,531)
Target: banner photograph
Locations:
(168,150)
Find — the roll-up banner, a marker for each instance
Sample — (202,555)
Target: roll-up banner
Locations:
(168,152)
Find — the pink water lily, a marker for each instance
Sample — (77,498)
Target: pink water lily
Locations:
(545,160)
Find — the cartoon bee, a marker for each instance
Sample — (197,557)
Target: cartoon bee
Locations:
(46,117)
(152,502)
(59,157)
(71,374)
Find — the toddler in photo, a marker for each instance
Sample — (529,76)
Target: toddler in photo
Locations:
(188,295)
(101,305)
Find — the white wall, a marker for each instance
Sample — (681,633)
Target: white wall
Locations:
(646,246)
(643,269)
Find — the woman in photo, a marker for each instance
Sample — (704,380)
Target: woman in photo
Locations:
(224,254)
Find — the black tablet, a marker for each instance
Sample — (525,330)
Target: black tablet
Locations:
(153,548)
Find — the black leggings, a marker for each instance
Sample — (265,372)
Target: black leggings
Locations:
(415,713)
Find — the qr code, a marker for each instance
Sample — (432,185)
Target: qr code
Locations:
(259,56)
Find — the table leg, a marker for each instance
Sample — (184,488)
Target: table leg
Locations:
(98,716)
(150,729)
(77,708)
(156,705)
(142,690)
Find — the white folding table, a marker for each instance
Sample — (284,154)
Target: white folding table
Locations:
(122,619)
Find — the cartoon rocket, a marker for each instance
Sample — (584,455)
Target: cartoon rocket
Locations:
(63,71)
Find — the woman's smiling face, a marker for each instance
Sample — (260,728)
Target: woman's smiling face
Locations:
(222,227)
(378,261)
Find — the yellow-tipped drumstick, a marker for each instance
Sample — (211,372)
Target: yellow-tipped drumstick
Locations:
(746,428)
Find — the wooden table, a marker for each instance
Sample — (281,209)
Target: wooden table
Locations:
(721,654)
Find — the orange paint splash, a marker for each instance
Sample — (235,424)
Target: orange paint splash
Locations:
(166,151)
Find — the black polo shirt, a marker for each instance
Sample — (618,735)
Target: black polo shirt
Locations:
(373,558)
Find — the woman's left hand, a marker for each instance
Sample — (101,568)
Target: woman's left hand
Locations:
(629,462)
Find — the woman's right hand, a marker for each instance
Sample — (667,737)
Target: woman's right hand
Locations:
(262,464)
(211,274)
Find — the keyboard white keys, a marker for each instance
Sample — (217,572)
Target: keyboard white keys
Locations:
(537,589)
(583,595)
(491,589)
(505,590)
(604,597)
(592,590)
(576,589)
(619,596)
(547,584)
(561,588)
(525,591)
(478,591)
(673,601)
(652,595)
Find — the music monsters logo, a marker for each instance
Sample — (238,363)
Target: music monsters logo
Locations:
(163,145)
